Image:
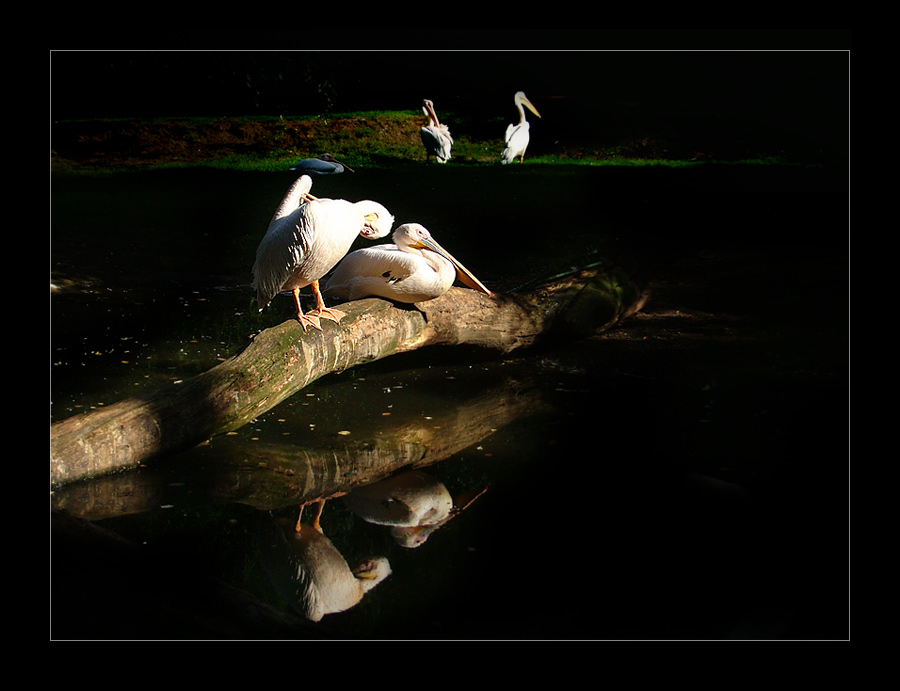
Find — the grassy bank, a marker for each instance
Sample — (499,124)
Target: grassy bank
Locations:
(382,139)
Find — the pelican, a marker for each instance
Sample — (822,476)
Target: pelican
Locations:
(322,581)
(325,165)
(435,136)
(516,140)
(413,503)
(306,238)
(414,269)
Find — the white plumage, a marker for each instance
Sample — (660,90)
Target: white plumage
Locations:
(414,269)
(518,136)
(435,136)
(306,238)
(322,581)
(413,503)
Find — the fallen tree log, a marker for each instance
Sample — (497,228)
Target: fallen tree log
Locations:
(284,359)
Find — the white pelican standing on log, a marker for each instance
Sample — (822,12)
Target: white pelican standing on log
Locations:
(306,238)
(435,136)
(517,136)
(326,164)
(414,269)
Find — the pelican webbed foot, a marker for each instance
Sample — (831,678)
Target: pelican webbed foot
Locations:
(304,319)
(328,313)
(309,320)
(321,310)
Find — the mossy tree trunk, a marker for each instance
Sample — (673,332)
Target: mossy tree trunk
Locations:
(282,360)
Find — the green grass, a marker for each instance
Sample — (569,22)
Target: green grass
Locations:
(365,139)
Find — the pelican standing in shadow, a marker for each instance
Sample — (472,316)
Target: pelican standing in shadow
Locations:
(517,136)
(435,136)
(322,581)
(413,269)
(306,238)
(413,503)
(324,165)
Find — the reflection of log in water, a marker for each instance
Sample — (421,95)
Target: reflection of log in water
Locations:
(270,476)
(282,360)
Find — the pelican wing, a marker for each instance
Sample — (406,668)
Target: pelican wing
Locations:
(295,196)
(517,137)
(437,141)
(282,250)
(371,271)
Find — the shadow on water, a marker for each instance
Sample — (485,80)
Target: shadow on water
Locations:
(635,488)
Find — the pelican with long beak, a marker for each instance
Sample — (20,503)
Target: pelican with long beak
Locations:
(414,269)
(435,136)
(518,136)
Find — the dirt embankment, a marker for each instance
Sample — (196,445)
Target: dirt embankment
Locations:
(144,143)
(148,143)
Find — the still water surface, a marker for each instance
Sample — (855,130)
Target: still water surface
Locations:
(592,525)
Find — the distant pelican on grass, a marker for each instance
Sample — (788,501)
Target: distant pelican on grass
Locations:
(435,136)
(517,136)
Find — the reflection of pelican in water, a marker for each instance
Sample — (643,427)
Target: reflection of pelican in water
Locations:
(323,582)
(414,504)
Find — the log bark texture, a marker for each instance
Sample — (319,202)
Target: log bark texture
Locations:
(282,360)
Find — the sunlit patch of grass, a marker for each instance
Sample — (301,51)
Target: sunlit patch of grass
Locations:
(370,139)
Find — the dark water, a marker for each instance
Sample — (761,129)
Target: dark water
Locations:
(694,489)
